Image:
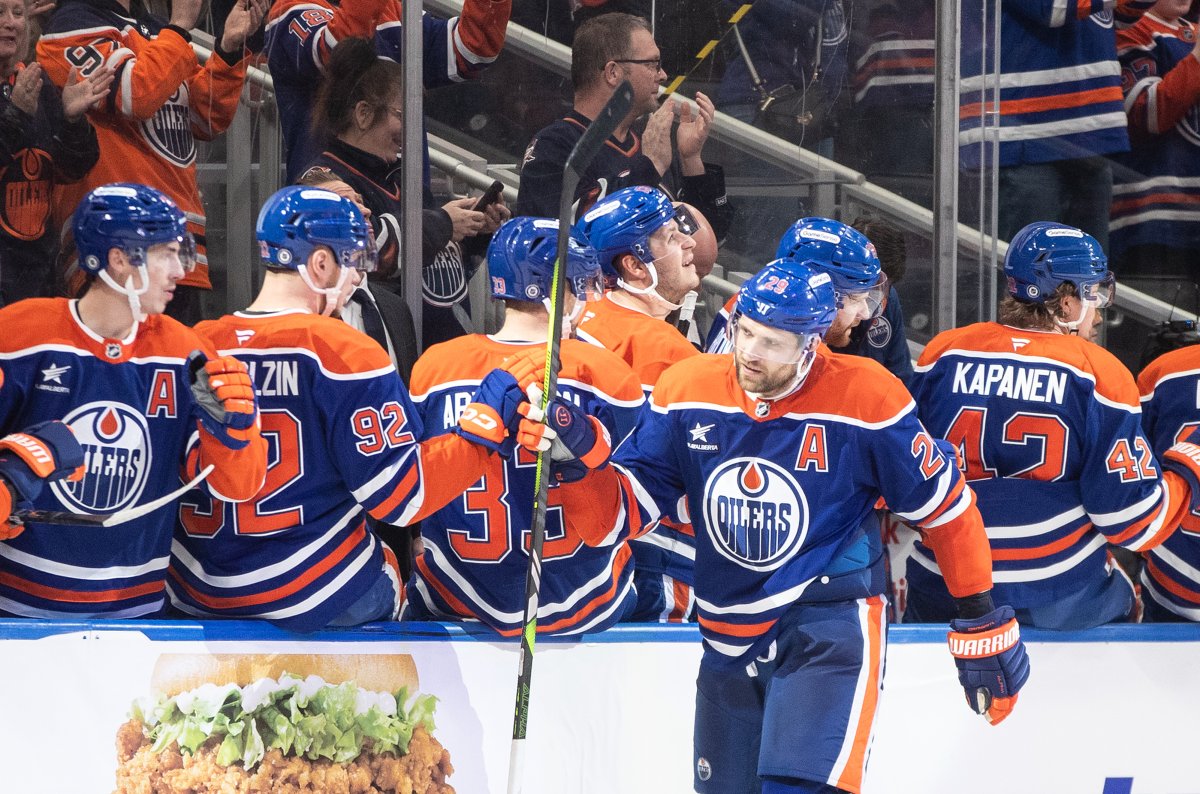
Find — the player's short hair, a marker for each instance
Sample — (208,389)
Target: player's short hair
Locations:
(1039,316)
(888,240)
(599,40)
(355,74)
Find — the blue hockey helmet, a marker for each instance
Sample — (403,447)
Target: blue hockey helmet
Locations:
(296,220)
(841,251)
(521,260)
(623,223)
(1043,255)
(131,218)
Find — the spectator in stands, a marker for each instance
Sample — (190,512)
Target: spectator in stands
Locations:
(160,103)
(360,106)
(798,51)
(893,79)
(883,338)
(45,139)
(1061,111)
(587,9)
(609,50)
(301,35)
(1155,218)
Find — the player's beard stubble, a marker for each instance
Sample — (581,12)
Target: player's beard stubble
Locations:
(761,377)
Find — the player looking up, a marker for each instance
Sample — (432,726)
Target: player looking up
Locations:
(117,371)
(343,440)
(782,450)
(647,262)
(1048,429)
(475,556)
(848,258)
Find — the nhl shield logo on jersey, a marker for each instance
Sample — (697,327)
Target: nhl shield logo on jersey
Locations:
(116,450)
(755,513)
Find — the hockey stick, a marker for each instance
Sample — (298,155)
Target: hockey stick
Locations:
(105,519)
(585,150)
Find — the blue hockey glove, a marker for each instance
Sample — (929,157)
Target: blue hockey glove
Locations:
(576,442)
(222,389)
(992,663)
(46,451)
(492,417)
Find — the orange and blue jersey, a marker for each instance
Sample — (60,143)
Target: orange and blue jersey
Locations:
(343,442)
(1059,84)
(665,559)
(1156,192)
(161,102)
(1170,389)
(896,69)
(129,405)
(301,35)
(1049,431)
(781,493)
(475,559)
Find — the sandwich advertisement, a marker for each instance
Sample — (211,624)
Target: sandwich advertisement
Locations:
(230,707)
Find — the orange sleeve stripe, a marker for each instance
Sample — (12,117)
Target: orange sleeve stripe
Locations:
(737,629)
(591,506)
(852,773)
(239,473)
(1170,585)
(291,588)
(1137,526)
(1078,99)
(80,596)
(400,493)
(962,552)
(1037,552)
(481,27)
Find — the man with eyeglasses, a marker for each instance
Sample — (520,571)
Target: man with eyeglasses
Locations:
(1049,432)
(608,50)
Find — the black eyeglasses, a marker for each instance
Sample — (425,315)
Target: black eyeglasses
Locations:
(653,63)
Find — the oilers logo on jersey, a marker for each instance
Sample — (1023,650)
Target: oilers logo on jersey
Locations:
(116,448)
(169,130)
(755,512)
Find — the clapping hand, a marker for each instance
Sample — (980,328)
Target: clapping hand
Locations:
(244,19)
(82,94)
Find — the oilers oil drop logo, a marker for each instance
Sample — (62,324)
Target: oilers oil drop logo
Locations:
(755,513)
(116,458)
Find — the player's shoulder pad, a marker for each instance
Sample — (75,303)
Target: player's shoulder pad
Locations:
(461,358)
(948,340)
(1114,381)
(856,387)
(1170,364)
(173,338)
(704,377)
(340,349)
(34,321)
(601,368)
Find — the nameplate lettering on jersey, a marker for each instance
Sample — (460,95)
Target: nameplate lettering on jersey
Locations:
(275,378)
(456,402)
(1017,383)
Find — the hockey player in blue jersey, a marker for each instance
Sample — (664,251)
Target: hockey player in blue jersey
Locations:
(125,379)
(783,450)
(1048,426)
(344,438)
(475,559)
(849,259)
(37,455)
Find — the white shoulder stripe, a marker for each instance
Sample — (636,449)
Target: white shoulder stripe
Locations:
(1169,376)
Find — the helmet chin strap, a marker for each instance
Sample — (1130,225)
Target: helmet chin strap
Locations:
(651,290)
(331,294)
(1072,328)
(132,293)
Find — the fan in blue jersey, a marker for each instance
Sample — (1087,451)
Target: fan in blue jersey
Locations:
(475,560)
(1049,431)
(850,261)
(138,398)
(782,450)
(344,440)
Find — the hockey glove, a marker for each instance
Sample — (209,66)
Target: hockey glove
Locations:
(492,414)
(992,663)
(46,451)
(222,389)
(1183,458)
(576,442)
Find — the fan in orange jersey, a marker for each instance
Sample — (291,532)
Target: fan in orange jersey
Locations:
(475,559)
(647,260)
(161,102)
